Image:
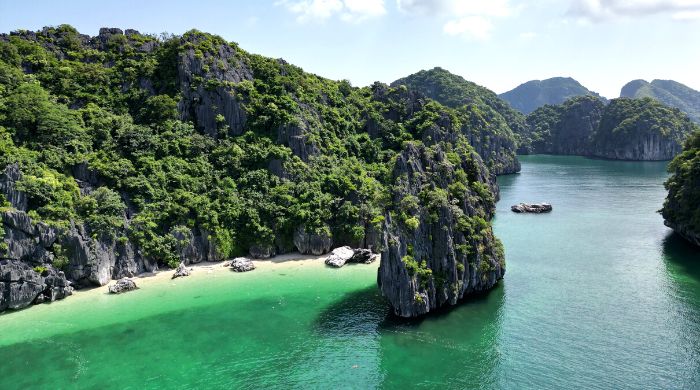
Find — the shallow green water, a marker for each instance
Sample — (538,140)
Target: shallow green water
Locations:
(597,294)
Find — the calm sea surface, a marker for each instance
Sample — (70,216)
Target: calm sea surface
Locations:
(597,295)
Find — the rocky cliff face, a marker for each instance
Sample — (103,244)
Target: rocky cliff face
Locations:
(21,286)
(207,82)
(440,246)
(681,209)
(88,259)
(27,274)
(641,129)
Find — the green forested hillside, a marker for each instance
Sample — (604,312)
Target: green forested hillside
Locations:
(144,150)
(456,92)
(624,129)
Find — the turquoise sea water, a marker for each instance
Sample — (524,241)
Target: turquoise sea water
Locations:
(597,295)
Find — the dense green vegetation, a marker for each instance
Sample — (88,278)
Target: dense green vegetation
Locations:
(631,129)
(682,206)
(626,118)
(456,92)
(567,128)
(533,94)
(668,92)
(98,130)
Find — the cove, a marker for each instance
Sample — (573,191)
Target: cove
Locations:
(597,294)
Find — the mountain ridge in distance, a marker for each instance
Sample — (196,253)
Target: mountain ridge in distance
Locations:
(668,92)
(533,94)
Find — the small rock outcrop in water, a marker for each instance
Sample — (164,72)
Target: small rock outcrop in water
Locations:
(181,271)
(440,243)
(531,208)
(121,286)
(242,264)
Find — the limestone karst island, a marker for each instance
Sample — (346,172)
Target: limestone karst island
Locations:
(350,194)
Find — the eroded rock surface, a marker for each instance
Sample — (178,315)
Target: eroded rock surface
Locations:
(22,285)
(340,256)
(440,244)
(181,271)
(242,264)
(122,285)
(531,208)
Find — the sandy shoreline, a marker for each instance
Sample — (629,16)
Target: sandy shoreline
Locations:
(213,269)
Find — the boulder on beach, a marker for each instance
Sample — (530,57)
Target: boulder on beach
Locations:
(122,285)
(339,256)
(242,264)
(181,271)
(531,208)
(364,256)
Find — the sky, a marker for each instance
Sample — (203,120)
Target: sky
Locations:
(496,43)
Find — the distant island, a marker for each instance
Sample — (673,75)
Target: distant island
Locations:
(123,153)
(534,94)
(624,129)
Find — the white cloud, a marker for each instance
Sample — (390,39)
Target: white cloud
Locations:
(528,36)
(602,10)
(471,19)
(474,27)
(321,10)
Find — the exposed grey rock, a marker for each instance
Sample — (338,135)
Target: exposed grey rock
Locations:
(363,256)
(641,147)
(684,231)
(181,271)
(531,208)
(295,135)
(195,248)
(450,254)
(316,243)
(214,95)
(20,285)
(261,251)
(121,286)
(8,178)
(242,264)
(340,256)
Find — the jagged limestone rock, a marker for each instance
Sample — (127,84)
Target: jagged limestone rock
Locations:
(181,271)
(121,286)
(195,248)
(340,256)
(21,285)
(315,243)
(8,178)
(207,90)
(262,251)
(440,244)
(242,264)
